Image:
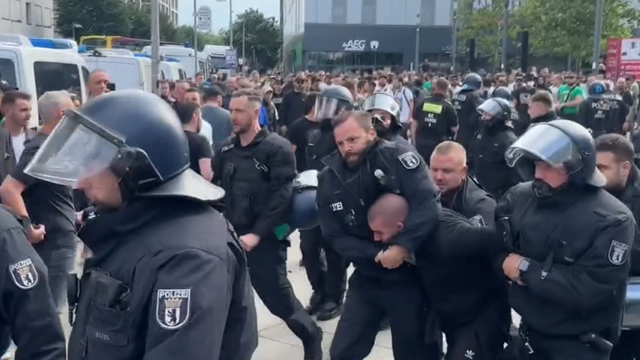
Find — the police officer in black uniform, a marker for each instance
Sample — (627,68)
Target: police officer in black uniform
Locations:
(383,284)
(466,101)
(519,124)
(496,134)
(168,277)
(568,245)
(385,111)
(619,113)
(434,120)
(256,169)
(329,285)
(28,313)
(595,112)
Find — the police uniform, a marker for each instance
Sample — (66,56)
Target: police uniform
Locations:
(435,118)
(595,112)
(328,283)
(574,240)
(465,102)
(168,277)
(389,128)
(28,314)
(488,165)
(619,112)
(258,181)
(344,197)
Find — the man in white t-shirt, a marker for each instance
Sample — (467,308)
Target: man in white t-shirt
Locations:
(404,97)
(16,107)
(383,86)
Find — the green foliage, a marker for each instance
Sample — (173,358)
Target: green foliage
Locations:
(262,37)
(565,27)
(184,34)
(108,17)
(141,25)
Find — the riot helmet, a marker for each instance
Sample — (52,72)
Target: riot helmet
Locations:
(558,143)
(385,111)
(131,136)
(502,92)
(597,90)
(304,210)
(331,101)
(471,82)
(495,110)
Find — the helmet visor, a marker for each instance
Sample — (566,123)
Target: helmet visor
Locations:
(381,101)
(548,144)
(491,107)
(306,179)
(328,108)
(72,152)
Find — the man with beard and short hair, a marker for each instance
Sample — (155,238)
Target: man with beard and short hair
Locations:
(614,158)
(16,106)
(215,115)
(570,96)
(292,107)
(193,95)
(383,284)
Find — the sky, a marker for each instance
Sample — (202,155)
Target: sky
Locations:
(220,10)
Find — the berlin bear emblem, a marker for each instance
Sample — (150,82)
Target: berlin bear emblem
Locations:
(24,274)
(173,308)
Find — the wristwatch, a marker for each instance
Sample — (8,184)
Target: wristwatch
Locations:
(523,266)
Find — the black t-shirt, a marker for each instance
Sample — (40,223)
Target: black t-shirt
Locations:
(48,204)
(199,148)
(522,96)
(298,134)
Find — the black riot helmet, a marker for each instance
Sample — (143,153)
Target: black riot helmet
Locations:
(502,92)
(597,90)
(499,109)
(304,210)
(472,82)
(134,135)
(558,143)
(331,101)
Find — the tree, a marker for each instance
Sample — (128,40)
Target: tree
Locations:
(566,27)
(485,25)
(104,17)
(262,37)
(184,34)
(141,25)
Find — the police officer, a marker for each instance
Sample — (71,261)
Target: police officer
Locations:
(518,122)
(28,313)
(466,101)
(385,111)
(161,253)
(329,285)
(619,113)
(434,120)
(594,113)
(257,168)
(493,138)
(569,242)
(614,158)
(383,284)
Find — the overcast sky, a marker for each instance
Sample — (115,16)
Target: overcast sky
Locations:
(220,10)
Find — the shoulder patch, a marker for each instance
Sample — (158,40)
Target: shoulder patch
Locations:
(478,221)
(409,160)
(24,274)
(618,252)
(173,308)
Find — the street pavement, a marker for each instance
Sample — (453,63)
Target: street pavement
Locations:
(277,342)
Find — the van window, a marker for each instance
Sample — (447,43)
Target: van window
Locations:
(85,74)
(8,72)
(182,74)
(53,76)
(124,75)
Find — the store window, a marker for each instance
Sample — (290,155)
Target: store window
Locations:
(344,61)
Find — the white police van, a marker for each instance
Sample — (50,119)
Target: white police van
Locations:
(37,70)
(125,70)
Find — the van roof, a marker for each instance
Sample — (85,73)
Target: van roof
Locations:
(104,56)
(53,54)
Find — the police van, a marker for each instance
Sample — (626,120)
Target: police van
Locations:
(186,56)
(170,68)
(38,70)
(125,70)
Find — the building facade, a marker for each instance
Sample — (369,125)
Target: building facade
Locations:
(27,17)
(168,7)
(365,34)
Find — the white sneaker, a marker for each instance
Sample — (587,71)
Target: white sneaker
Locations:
(7,356)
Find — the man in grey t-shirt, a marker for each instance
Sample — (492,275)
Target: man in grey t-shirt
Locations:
(216,115)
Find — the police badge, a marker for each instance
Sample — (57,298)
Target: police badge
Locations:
(409,160)
(173,308)
(24,274)
(618,252)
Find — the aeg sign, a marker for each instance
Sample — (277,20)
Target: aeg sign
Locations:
(354,45)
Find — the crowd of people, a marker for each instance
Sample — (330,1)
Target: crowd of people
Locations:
(455,198)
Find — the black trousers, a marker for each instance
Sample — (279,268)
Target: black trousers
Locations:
(482,339)
(562,348)
(329,282)
(268,271)
(367,303)
(628,346)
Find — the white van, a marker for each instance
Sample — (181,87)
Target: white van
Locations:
(172,70)
(187,57)
(125,72)
(38,70)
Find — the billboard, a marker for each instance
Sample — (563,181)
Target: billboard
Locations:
(623,58)
(203,19)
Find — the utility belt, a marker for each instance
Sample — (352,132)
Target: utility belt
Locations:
(520,346)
